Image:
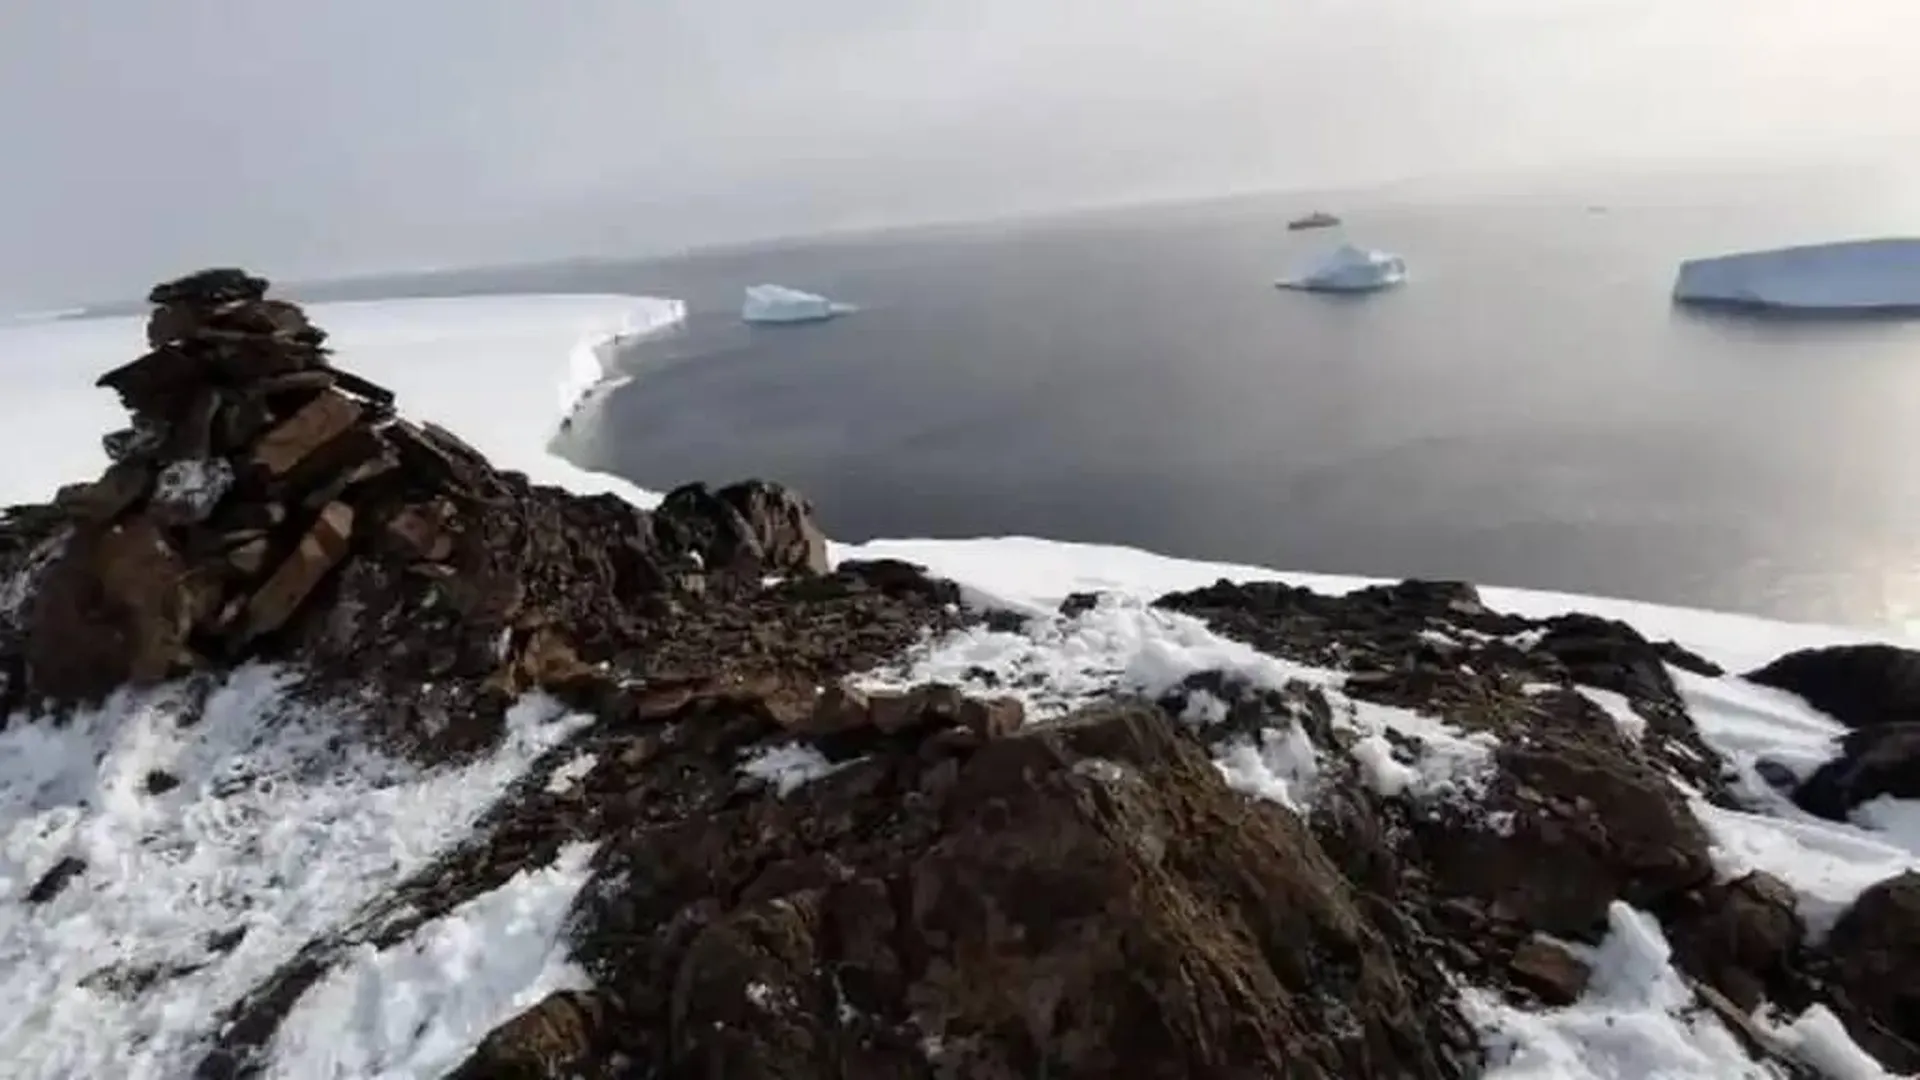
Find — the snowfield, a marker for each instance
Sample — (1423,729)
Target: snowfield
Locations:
(271,832)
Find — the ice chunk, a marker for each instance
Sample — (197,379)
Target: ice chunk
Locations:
(1852,275)
(779,304)
(1349,269)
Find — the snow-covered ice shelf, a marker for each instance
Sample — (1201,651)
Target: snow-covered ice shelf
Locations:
(1851,275)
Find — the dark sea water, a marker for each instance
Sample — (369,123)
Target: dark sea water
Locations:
(1528,410)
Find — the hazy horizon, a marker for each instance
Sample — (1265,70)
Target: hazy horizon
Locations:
(353,138)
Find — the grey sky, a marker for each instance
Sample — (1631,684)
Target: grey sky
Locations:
(140,137)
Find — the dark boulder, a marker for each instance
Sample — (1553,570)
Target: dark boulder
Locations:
(1874,958)
(1861,686)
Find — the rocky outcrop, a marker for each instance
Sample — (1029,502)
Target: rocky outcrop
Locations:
(1874,951)
(1087,899)
(266,504)
(949,888)
(1875,691)
(1862,686)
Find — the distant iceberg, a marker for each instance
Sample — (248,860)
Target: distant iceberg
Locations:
(1851,275)
(1319,219)
(779,304)
(1349,269)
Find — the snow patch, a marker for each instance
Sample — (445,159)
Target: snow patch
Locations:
(1637,1019)
(1618,709)
(423,1006)
(193,486)
(1281,769)
(788,767)
(276,828)
(1124,645)
(1828,864)
(567,776)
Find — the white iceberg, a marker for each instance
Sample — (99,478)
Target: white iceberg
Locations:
(779,304)
(1850,275)
(1349,269)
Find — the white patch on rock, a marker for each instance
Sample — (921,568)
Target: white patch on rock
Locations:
(194,487)
(788,767)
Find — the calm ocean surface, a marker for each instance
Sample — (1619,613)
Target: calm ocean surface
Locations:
(1529,410)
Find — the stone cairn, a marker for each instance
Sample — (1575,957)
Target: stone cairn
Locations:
(250,469)
(230,497)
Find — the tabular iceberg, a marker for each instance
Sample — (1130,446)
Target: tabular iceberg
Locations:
(1850,275)
(779,304)
(1349,269)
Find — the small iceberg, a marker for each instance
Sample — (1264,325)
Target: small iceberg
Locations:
(1845,276)
(1349,269)
(779,304)
(1319,219)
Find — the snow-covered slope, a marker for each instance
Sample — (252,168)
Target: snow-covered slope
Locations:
(1348,269)
(275,829)
(1852,275)
(779,304)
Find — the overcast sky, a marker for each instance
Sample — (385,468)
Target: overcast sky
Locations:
(303,137)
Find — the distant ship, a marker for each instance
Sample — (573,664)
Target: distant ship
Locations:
(1319,219)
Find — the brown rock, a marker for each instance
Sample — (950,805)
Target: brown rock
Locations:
(209,288)
(1742,935)
(312,380)
(547,1041)
(249,558)
(419,531)
(548,660)
(276,319)
(170,323)
(191,435)
(993,718)
(782,527)
(240,421)
(1875,953)
(111,611)
(330,466)
(370,458)
(1556,975)
(425,458)
(319,422)
(379,396)
(1022,918)
(840,708)
(122,486)
(159,383)
(319,551)
(1608,823)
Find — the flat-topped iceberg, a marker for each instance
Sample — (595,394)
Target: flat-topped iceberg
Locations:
(779,304)
(1349,269)
(1850,275)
